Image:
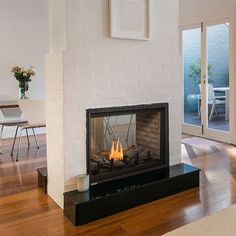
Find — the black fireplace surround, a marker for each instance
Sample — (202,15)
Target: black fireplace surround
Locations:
(128,163)
(149,151)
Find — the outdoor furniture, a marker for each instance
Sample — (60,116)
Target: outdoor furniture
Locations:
(34,111)
(213,100)
(225,90)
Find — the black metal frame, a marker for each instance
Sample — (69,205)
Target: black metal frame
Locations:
(163,108)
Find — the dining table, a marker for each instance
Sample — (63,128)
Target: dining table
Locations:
(8,104)
(224,90)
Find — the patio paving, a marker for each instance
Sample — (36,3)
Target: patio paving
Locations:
(218,123)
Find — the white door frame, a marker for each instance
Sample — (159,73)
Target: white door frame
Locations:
(212,18)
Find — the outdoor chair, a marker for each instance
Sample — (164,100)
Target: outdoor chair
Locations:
(213,100)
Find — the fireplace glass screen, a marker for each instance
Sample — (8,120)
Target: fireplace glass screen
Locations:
(123,144)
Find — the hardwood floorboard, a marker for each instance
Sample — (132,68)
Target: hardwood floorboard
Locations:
(16,177)
(34,213)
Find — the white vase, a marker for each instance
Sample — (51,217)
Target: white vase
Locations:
(83,183)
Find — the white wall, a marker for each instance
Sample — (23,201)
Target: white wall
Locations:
(100,71)
(23,41)
(191,7)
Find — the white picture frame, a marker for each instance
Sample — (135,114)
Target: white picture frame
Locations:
(130,19)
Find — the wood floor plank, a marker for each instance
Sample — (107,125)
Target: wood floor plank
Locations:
(34,213)
(21,176)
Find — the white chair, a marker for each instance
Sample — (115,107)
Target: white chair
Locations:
(34,111)
(213,100)
(10,117)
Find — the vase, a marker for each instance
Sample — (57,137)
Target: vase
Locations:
(23,90)
(192,100)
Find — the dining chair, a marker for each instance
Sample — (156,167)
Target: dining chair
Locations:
(10,117)
(213,100)
(34,112)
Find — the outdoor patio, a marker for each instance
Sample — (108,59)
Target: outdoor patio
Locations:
(218,123)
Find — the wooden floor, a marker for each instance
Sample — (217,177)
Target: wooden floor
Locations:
(33,213)
(22,175)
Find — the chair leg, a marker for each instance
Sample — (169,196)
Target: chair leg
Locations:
(19,144)
(199,108)
(199,113)
(1,139)
(12,149)
(216,111)
(212,111)
(27,137)
(35,138)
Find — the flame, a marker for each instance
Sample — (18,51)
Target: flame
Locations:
(116,152)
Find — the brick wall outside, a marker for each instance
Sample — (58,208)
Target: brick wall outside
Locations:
(218,57)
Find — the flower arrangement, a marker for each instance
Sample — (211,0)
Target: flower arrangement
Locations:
(24,77)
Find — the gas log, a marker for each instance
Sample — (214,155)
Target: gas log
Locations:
(133,153)
(117,163)
(95,167)
(102,160)
(132,156)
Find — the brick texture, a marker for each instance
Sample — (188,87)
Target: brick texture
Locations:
(148,131)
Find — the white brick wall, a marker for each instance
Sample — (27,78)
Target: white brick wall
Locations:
(54,100)
(54,120)
(100,71)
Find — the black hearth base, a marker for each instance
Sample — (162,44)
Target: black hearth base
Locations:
(116,196)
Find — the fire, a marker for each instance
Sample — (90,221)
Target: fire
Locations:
(116,151)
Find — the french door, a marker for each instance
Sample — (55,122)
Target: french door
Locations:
(207,72)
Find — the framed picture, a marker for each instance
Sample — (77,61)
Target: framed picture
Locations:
(130,19)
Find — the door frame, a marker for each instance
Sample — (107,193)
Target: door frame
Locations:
(195,21)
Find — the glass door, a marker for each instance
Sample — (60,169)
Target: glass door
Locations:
(191,71)
(217,83)
(207,80)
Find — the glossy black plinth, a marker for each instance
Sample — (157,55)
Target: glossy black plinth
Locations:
(116,196)
(42,179)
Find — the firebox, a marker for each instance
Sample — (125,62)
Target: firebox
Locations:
(126,141)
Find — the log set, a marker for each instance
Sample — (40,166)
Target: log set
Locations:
(132,152)
(132,156)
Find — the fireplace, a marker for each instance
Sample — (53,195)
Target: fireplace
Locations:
(126,141)
(128,163)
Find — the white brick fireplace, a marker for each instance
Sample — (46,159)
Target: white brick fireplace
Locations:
(88,69)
